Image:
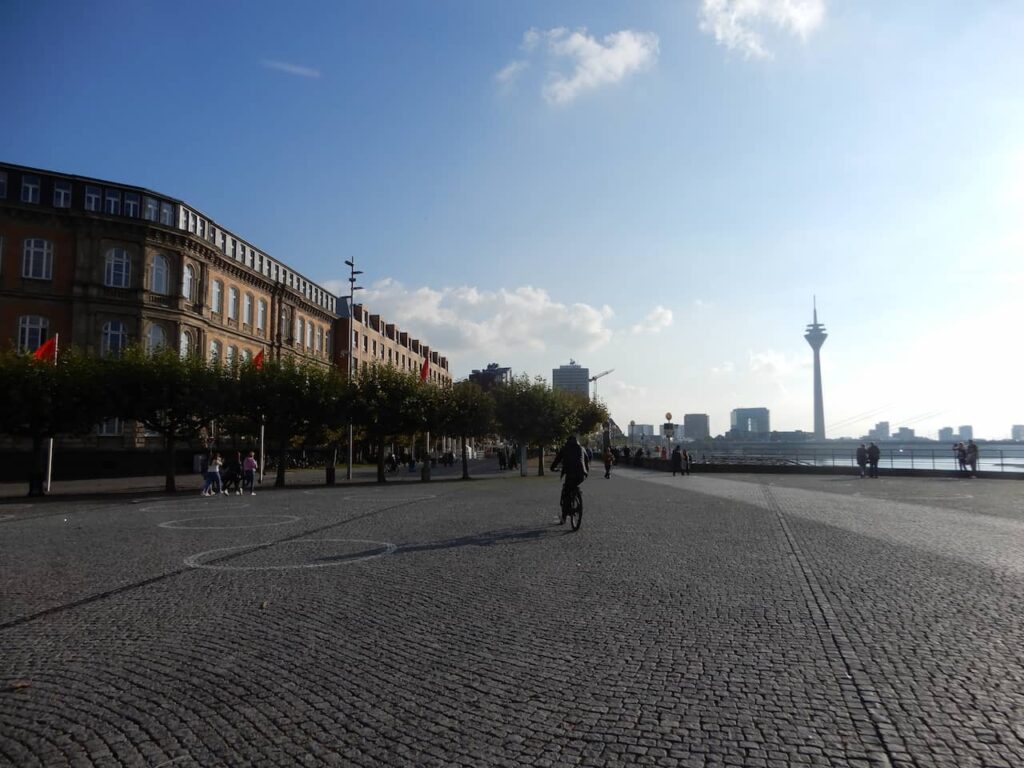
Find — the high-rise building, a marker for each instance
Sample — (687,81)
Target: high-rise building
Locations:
(880,432)
(696,426)
(1017,432)
(571,378)
(946,435)
(966,432)
(491,376)
(904,433)
(749,422)
(816,336)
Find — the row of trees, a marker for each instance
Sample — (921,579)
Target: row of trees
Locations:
(296,404)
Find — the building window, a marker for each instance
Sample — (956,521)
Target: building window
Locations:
(261,315)
(246,356)
(158,275)
(131,204)
(33,330)
(150,208)
(30,189)
(309,335)
(215,349)
(188,282)
(92,198)
(117,270)
(319,339)
(156,338)
(113,202)
(234,248)
(110,427)
(37,259)
(218,296)
(247,309)
(327,342)
(232,303)
(62,194)
(3,183)
(232,355)
(185,344)
(300,330)
(113,339)
(167,214)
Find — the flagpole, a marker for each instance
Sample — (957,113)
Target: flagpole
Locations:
(49,457)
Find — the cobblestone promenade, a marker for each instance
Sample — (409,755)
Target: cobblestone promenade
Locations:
(746,621)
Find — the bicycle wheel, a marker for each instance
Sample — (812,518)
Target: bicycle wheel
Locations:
(576,509)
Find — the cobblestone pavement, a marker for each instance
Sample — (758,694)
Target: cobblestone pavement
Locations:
(691,621)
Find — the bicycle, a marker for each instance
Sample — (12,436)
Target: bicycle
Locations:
(572,506)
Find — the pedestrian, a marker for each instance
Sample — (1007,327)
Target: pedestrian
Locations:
(213,476)
(233,475)
(249,467)
(874,454)
(961,458)
(862,458)
(608,461)
(664,453)
(972,457)
(677,461)
(687,460)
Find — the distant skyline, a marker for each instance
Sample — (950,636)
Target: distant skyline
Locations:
(657,187)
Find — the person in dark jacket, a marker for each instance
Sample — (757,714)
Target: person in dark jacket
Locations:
(874,454)
(572,458)
(677,461)
(862,458)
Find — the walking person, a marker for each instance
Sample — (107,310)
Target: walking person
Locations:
(677,461)
(233,475)
(862,458)
(249,467)
(972,457)
(687,461)
(961,458)
(608,461)
(213,477)
(874,454)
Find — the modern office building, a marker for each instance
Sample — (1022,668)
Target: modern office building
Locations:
(1017,432)
(816,336)
(491,376)
(946,435)
(571,378)
(880,432)
(966,432)
(696,426)
(904,433)
(749,423)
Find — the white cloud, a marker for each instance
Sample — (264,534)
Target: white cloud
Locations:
(777,366)
(657,319)
(738,24)
(292,69)
(474,324)
(723,369)
(594,63)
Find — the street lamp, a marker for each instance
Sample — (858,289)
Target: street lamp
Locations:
(352,288)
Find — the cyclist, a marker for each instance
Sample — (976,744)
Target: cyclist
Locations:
(575,468)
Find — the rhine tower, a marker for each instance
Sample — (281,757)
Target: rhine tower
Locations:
(816,337)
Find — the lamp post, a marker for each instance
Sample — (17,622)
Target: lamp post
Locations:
(352,288)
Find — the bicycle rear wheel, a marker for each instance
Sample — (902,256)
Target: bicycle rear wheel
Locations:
(576,509)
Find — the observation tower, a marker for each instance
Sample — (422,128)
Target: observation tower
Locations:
(816,337)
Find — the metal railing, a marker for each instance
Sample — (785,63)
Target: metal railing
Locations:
(939,459)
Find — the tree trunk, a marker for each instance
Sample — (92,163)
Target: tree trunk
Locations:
(38,474)
(380,461)
(331,468)
(282,462)
(540,463)
(169,462)
(465,460)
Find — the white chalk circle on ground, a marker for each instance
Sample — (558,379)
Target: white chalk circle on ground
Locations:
(245,521)
(197,561)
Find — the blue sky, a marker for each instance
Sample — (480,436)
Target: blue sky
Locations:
(655,187)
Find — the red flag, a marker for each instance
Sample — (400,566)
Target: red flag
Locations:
(47,351)
(424,369)
(258,360)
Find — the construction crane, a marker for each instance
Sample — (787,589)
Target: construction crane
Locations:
(597,376)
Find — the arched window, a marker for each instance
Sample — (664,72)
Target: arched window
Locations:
(319,339)
(113,339)
(186,345)
(156,337)
(37,259)
(300,330)
(232,303)
(218,296)
(117,270)
(261,316)
(215,351)
(188,282)
(247,309)
(246,356)
(232,355)
(309,335)
(158,273)
(33,330)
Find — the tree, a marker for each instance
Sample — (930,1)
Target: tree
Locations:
(40,399)
(288,398)
(386,403)
(467,411)
(168,394)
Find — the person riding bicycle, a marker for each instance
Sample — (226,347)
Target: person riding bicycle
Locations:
(575,468)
